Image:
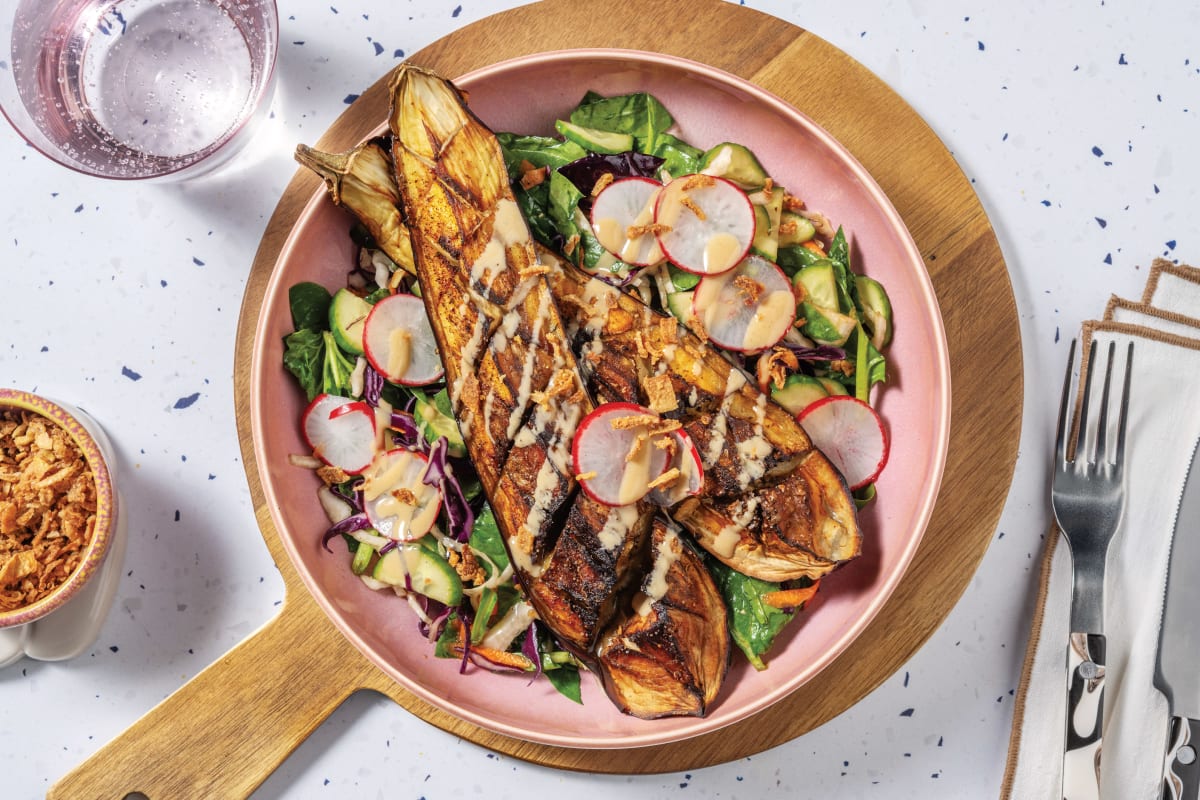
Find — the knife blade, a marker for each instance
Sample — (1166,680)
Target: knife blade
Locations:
(1177,674)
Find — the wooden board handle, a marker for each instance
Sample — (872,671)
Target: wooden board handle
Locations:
(265,697)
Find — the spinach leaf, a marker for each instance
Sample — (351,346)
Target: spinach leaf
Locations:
(639,114)
(336,368)
(303,356)
(839,254)
(541,151)
(566,680)
(310,306)
(533,203)
(793,259)
(752,623)
(486,539)
(679,157)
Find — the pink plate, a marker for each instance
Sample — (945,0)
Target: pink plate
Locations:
(710,106)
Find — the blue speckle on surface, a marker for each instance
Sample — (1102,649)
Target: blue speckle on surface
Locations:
(177,515)
(163,284)
(1097,152)
(1108,258)
(45,349)
(185,402)
(1103,223)
(378,48)
(197,262)
(981,46)
(457,10)
(1122,60)
(114,648)
(906,680)
(299,43)
(128,373)
(350,98)
(908,712)
(79,208)
(1156,189)
(397,54)
(1171,244)
(1046,203)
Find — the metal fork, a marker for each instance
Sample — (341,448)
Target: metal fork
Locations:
(1088,497)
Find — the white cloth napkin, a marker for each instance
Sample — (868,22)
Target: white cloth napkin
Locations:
(1164,426)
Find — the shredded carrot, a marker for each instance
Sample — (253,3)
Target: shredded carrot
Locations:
(815,246)
(791,598)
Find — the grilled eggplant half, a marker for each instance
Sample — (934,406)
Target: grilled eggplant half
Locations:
(772,507)
(518,395)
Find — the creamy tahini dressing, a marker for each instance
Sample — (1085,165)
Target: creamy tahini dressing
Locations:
(617,524)
(726,541)
(754,451)
(716,444)
(762,332)
(721,251)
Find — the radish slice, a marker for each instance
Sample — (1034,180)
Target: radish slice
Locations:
(691,478)
(622,205)
(399,341)
(400,505)
(341,432)
(614,456)
(747,309)
(708,223)
(850,434)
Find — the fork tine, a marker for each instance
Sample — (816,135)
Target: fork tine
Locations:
(1090,365)
(1060,438)
(1121,422)
(1102,422)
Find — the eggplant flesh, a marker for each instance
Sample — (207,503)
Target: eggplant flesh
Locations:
(515,386)
(668,653)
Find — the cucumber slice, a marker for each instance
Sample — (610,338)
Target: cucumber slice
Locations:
(876,310)
(736,163)
(798,392)
(434,419)
(819,283)
(834,388)
(764,244)
(417,566)
(680,306)
(825,325)
(594,140)
(362,558)
(795,229)
(347,315)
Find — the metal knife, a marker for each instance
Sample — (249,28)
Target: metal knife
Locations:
(1177,674)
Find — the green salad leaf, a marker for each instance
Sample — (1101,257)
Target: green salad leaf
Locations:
(336,368)
(310,306)
(303,356)
(639,114)
(753,624)
(540,151)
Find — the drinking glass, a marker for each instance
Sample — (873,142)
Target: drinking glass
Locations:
(131,89)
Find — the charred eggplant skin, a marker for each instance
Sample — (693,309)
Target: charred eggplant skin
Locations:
(518,395)
(804,522)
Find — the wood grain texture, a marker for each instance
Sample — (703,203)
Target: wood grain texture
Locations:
(967,269)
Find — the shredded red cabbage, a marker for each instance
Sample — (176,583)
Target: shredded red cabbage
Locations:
(459,516)
(584,172)
(372,385)
(355,522)
(823,352)
(529,648)
(406,432)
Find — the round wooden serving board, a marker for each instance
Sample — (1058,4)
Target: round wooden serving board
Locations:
(224,732)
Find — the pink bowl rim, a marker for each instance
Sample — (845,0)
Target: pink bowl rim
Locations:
(98,547)
(922,513)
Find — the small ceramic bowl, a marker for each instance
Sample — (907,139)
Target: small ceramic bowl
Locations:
(67,621)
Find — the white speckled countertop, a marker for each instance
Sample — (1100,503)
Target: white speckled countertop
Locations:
(1077,125)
